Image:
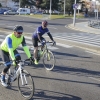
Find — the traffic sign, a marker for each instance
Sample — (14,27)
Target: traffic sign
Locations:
(75,6)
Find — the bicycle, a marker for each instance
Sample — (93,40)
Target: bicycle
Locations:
(25,80)
(46,55)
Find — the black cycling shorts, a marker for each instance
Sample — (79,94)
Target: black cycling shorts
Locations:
(36,40)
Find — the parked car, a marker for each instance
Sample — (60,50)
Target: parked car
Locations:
(23,11)
(2,11)
(10,12)
(38,12)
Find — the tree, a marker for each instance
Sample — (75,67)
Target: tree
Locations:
(24,3)
(68,4)
(0,5)
(45,4)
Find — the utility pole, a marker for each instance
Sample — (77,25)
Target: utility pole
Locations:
(50,7)
(64,7)
(95,9)
(19,7)
(74,18)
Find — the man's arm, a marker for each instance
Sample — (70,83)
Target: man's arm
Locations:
(26,49)
(10,49)
(50,36)
(38,34)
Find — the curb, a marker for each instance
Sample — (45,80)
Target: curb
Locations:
(70,26)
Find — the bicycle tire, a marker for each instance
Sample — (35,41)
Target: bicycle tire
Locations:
(46,62)
(26,96)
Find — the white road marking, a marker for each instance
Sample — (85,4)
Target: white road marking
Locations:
(1,40)
(52,48)
(1,35)
(64,45)
(94,78)
(52,27)
(92,52)
(11,26)
(20,51)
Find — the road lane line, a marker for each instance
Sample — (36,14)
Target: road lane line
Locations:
(52,27)
(92,52)
(94,78)
(64,45)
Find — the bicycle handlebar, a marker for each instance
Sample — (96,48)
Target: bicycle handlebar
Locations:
(47,42)
(23,61)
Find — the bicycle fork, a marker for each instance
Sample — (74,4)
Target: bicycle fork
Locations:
(22,75)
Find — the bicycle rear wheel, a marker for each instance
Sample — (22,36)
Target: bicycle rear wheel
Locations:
(48,60)
(27,89)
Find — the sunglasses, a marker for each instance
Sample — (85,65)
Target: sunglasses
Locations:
(19,32)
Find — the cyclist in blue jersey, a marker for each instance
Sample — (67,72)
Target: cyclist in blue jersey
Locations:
(37,37)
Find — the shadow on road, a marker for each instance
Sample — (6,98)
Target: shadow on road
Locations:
(51,95)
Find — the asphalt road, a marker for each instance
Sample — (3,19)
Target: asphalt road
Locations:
(76,76)
(30,24)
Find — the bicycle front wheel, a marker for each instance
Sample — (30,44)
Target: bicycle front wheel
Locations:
(26,85)
(49,60)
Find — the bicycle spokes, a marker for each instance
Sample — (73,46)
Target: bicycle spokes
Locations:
(27,88)
(48,60)
(48,56)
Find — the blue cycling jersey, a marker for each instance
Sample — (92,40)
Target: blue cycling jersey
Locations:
(41,31)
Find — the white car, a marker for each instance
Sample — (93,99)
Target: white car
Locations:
(23,11)
(10,12)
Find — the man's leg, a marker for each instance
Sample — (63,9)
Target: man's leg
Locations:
(5,58)
(35,44)
(35,55)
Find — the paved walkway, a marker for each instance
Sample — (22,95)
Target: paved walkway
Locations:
(83,26)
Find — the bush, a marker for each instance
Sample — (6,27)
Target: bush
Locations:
(0,5)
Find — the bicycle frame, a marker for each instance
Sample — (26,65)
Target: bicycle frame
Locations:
(19,71)
(45,49)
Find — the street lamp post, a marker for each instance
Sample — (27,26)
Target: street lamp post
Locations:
(95,8)
(74,18)
(50,7)
(64,7)
(97,4)
(19,7)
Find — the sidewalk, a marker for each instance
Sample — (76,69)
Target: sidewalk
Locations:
(83,26)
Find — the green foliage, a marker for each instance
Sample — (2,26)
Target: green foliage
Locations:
(24,3)
(68,4)
(45,4)
(0,5)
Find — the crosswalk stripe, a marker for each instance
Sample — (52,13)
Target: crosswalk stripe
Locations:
(63,45)
(87,38)
(94,42)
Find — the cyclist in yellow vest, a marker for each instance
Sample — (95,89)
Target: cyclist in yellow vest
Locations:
(8,49)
